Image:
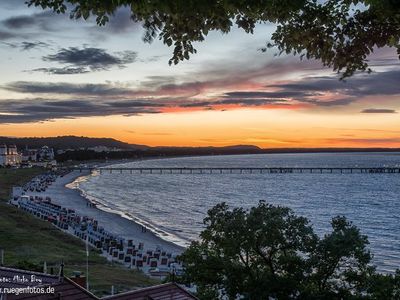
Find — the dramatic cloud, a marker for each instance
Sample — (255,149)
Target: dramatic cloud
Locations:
(87,59)
(378,83)
(39,110)
(240,102)
(316,90)
(163,94)
(378,111)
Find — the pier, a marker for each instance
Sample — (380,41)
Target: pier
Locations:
(243,170)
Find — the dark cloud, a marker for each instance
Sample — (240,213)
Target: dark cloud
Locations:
(278,94)
(19,22)
(310,89)
(252,102)
(87,59)
(135,103)
(4,35)
(378,111)
(378,83)
(45,21)
(281,97)
(39,110)
(31,45)
(62,71)
(161,92)
(25,46)
(66,88)
(241,102)
(336,102)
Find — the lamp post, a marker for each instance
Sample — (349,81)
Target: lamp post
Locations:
(1,256)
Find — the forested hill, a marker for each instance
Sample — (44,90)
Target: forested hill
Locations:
(82,152)
(68,142)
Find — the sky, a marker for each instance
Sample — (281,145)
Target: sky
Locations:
(70,77)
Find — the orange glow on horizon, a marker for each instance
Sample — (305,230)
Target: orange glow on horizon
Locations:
(266,128)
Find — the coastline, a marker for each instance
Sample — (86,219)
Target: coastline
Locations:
(63,193)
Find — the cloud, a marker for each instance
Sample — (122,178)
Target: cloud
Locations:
(19,22)
(329,103)
(39,110)
(31,45)
(168,93)
(378,111)
(43,20)
(326,91)
(364,141)
(47,21)
(25,46)
(278,94)
(87,60)
(66,88)
(62,71)
(4,35)
(377,83)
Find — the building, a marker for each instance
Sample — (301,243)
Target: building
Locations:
(167,291)
(9,156)
(45,154)
(29,155)
(58,287)
(104,149)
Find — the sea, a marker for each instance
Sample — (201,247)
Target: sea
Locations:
(174,205)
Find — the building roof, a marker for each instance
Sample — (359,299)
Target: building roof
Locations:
(14,278)
(64,288)
(168,291)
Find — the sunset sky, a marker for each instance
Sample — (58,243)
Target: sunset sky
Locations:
(64,77)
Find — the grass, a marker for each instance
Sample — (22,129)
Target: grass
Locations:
(15,177)
(26,238)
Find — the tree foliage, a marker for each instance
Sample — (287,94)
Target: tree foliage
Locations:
(339,33)
(270,253)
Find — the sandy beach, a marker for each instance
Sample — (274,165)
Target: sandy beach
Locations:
(112,222)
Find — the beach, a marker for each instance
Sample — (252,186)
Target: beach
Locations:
(62,193)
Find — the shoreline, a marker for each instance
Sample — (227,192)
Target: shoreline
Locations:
(62,193)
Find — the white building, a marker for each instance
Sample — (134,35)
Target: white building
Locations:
(9,156)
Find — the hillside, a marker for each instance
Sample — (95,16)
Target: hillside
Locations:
(68,142)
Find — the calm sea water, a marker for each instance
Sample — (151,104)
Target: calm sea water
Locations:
(175,205)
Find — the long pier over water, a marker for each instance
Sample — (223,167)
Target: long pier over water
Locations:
(242,170)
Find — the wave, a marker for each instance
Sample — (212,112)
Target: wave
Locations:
(101,204)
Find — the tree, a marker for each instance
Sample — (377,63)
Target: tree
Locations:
(269,252)
(340,33)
